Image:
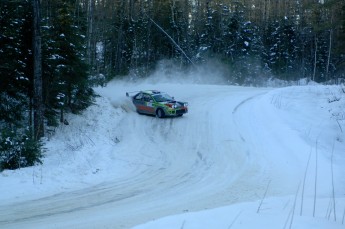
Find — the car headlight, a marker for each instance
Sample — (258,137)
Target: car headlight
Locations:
(174,106)
(185,104)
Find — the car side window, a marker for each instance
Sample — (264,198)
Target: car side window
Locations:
(139,96)
(147,98)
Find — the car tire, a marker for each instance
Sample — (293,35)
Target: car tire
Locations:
(160,113)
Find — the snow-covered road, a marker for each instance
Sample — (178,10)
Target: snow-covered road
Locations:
(113,168)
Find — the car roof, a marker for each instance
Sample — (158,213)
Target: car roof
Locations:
(152,92)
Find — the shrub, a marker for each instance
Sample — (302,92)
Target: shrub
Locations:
(19,149)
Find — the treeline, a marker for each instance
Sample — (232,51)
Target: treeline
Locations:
(285,39)
(80,43)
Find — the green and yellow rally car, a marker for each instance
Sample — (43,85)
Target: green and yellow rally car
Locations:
(157,103)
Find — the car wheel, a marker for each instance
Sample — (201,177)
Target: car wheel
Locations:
(160,113)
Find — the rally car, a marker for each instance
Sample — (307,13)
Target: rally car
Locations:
(157,103)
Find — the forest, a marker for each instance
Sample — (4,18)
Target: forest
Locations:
(53,52)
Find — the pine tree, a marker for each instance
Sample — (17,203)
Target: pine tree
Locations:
(18,147)
(14,62)
(282,48)
(67,87)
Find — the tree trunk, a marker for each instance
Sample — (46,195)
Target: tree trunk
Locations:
(315,59)
(90,33)
(37,81)
(329,53)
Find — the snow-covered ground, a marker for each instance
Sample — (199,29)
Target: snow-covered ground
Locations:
(241,158)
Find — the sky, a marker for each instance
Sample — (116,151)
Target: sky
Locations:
(242,157)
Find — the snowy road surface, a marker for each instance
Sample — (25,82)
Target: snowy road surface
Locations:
(113,168)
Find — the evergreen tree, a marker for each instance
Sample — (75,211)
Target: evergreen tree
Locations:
(281,48)
(66,87)
(15,34)
(17,144)
(18,148)
(142,55)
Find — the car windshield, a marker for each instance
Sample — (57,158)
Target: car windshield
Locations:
(162,97)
